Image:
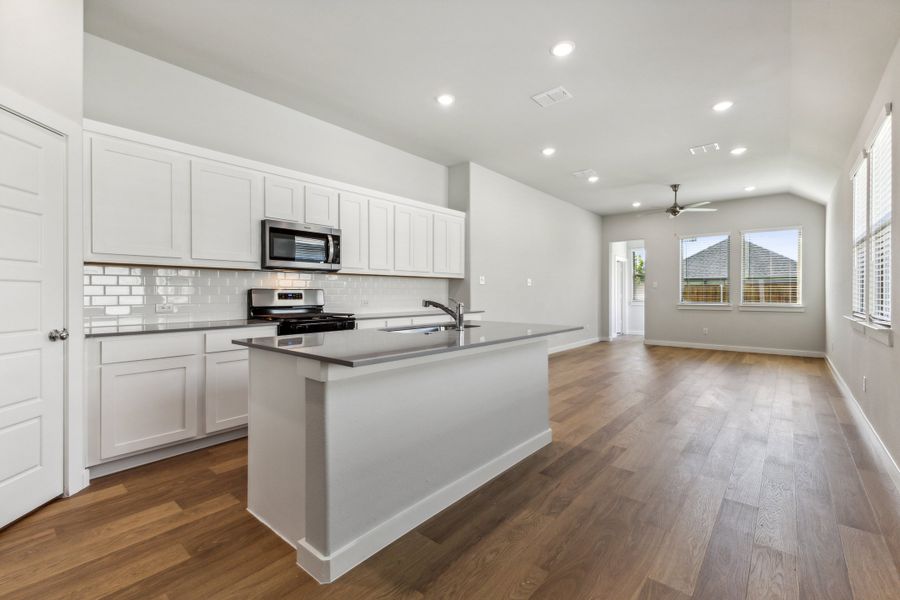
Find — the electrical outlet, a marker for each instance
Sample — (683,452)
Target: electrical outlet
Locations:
(481,279)
(655,284)
(706,331)
(528,282)
(364,301)
(165,308)
(865,382)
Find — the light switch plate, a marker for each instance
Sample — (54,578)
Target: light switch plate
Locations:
(481,279)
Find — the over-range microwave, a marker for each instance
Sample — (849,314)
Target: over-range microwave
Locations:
(292,245)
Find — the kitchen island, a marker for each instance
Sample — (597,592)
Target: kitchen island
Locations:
(356,437)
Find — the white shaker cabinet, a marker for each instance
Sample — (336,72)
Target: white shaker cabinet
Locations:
(381,235)
(449,244)
(354,224)
(413,252)
(226,208)
(284,199)
(227,389)
(139,201)
(321,206)
(147,403)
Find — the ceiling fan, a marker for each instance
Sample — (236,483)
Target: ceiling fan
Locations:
(676,209)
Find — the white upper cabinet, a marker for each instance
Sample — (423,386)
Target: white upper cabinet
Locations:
(381,235)
(284,199)
(354,224)
(139,200)
(226,209)
(321,206)
(412,239)
(449,244)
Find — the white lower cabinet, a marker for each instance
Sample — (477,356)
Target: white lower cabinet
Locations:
(227,389)
(148,391)
(147,403)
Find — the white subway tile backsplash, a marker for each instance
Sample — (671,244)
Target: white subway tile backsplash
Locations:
(219,294)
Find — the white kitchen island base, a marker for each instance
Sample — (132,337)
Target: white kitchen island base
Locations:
(345,460)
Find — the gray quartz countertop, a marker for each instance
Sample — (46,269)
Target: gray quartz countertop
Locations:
(362,347)
(108,330)
(425,312)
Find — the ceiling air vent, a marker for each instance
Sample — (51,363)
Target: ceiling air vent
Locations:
(557,94)
(704,149)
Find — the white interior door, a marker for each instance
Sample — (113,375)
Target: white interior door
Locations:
(620,297)
(32,195)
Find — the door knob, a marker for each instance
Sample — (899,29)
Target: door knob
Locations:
(59,334)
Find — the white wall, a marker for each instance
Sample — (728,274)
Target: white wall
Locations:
(635,323)
(664,321)
(40,52)
(853,354)
(133,90)
(517,232)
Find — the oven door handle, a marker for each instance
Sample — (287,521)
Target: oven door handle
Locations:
(330,249)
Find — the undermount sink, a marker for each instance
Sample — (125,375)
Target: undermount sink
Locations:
(426,329)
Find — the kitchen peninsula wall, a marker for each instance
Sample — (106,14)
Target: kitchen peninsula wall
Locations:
(128,295)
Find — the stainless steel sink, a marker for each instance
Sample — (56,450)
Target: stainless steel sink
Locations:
(426,329)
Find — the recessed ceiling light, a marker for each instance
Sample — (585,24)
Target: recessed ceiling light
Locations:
(723,105)
(548,151)
(738,151)
(446,99)
(562,49)
(635,204)
(749,188)
(593,178)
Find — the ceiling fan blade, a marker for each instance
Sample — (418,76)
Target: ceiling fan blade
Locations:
(699,210)
(696,204)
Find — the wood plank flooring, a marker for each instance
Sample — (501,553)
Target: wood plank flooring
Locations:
(673,473)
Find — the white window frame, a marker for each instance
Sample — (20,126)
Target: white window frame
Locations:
(774,305)
(865,317)
(680,288)
(633,301)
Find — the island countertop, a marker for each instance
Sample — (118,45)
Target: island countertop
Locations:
(359,348)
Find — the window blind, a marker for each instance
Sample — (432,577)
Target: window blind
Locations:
(880,225)
(770,266)
(860,234)
(704,269)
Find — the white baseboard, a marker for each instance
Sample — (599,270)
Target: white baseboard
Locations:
(750,349)
(862,421)
(326,569)
(129,462)
(573,345)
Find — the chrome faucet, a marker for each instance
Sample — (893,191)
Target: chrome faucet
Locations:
(456,314)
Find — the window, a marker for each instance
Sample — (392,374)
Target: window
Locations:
(770,266)
(637,275)
(704,269)
(871,186)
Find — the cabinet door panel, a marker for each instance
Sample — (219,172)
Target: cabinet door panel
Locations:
(449,234)
(412,240)
(284,199)
(147,403)
(226,208)
(354,223)
(139,198)
(381,235)
(321,206)
(227,390)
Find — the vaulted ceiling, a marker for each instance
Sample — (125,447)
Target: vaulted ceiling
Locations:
(644,76)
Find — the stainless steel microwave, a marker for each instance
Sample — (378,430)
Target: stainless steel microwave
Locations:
(292,245)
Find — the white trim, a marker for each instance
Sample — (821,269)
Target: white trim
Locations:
(788,308)
(859,415)
(701,306)
(105,129)
(326,569)
(573,345)
(729,348)
(144,458)
(74,478)
(879,333)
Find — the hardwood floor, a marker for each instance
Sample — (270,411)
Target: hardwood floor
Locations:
(673,474)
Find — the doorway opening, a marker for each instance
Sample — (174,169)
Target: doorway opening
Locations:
(627,274)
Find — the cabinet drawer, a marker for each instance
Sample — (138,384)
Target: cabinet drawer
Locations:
(220,341)
(148,346)
(146,404)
